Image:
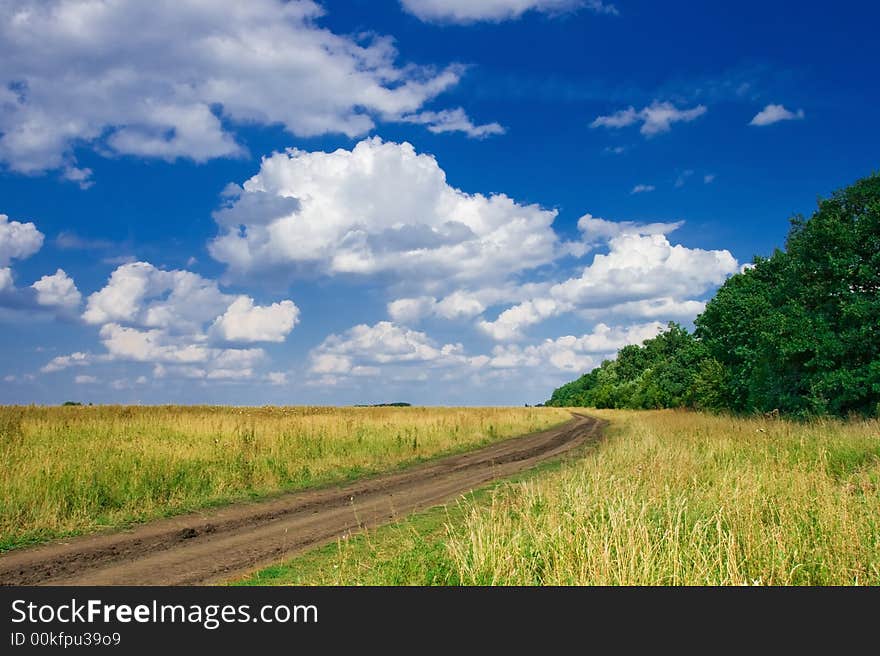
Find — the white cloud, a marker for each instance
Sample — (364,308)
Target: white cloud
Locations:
(774,113)
(378,208)
(453,120)
(656,118)
(642,189)
(663,308)
(174,319)
(366,351)
(593,228)
(469,11)
(172,79)
(81,176)
(245,322)
(361,354)
(85,380)
(640,266)
(141,294)
(570,353)
(18,240)
(510,323)
(58,290)
(78,359)
(6,282)
(709,178)
(157,346)
(458,305)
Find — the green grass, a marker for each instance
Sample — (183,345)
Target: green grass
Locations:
(411,551)
(670,498)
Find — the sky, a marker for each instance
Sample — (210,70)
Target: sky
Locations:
(444,202)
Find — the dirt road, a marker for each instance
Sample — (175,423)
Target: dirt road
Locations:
(217,545)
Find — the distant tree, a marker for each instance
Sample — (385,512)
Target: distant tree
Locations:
(797,332)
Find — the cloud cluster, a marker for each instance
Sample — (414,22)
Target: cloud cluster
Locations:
(641,268)
(573,354)
(17,240)
(656,118)
(56,292)
(377,208)
(470,11)
(400,354)
(361,350)
(180,322)
(171,79)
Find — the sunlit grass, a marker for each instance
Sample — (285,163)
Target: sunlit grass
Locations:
(689,499)
(78,469)
(670,498)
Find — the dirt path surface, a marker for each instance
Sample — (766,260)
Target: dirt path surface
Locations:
(217,545)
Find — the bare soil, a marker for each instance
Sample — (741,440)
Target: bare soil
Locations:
(217,545)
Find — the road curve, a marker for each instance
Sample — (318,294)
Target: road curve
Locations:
(217,545)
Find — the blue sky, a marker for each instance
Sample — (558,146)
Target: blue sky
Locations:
(437,201)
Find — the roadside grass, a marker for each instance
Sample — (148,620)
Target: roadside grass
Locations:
(411,551)
(670,498)
(71,470)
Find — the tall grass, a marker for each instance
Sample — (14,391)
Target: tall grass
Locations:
(77,469)
(688,499)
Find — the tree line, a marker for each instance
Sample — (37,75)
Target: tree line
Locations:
(796,333)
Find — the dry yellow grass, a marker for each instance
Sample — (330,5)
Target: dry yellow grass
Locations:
(78,469)
(688,499)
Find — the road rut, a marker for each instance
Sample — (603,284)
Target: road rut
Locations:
(214,546)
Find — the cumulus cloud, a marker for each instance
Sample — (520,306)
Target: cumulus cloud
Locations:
(172,79)
(85,379)
(178,321)
(364,351)
(378,208)
(139,293)
(18,240)
(460,304)
(774,114)
(656,118)
(573,354)
(402,355)
(664,309)
(78,359)
(594,229)
(642,189)
(245,322)
(6,282)
(58,291)
(470,11)
(641,265)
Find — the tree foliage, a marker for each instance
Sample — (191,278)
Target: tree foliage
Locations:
(797,332)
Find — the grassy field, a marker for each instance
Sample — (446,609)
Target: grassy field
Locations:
(670,498)
(69,470)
